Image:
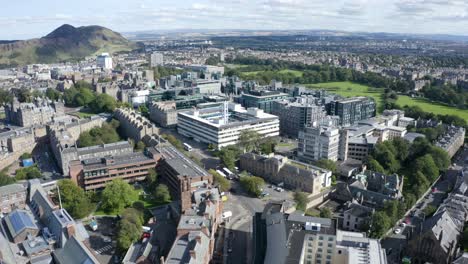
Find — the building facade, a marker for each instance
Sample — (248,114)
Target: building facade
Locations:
(293,174)
(222,124)
(317,143)
(352,110)
(134,125)
(260,99)
(39,112)
(164,113)
(95,173)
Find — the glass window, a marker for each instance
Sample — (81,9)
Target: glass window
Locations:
(320,237)
(330,239)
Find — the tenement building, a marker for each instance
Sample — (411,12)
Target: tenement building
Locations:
(95,173)
(293,174)
(39,112)
(295,116)
(164,113)
(134,125)
(352,110)
(222,124)
(295,238)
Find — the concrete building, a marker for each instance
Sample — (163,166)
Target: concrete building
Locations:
(295,238)
(212,87)
(295,116)
(39,112)
(352,110)
(293,174)
(104,61)
(164,113)
(181,174)
(221,125)
(263,99)
(156,59)
(12,196)
(134,125)
(207,69)
(317,143)
(95,173)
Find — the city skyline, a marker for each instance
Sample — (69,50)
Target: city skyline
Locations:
(394,16)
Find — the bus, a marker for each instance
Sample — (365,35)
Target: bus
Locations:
(228,173)
(221,173)
(187,147)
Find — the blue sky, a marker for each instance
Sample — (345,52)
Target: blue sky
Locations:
(20,19)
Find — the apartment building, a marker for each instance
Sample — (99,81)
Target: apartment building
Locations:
(317,143)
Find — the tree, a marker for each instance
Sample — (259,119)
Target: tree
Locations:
(84,97)
(301,200)
(117,195)
(223,183)
(228,158)
(249,139)
(28,173)
(402,148)
(440,157)
(252,185)
(52,94)
(74,199)
(427,166)
(143,110)
(327,164)
(5,179)
(24,95)
(151,178)
(127,234)
(268,146)
(162,194)
(25,155)
(380,224)
(174,141)
(103,103)
(140,146)
(325,212)
(429,210)
(374,165)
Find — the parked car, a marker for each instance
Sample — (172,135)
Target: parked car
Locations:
(397,231)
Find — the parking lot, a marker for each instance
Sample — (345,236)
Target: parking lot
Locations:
(102,241)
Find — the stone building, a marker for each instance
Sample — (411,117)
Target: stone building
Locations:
(134,125)
(39,112)
(12,197)
(293,174)
(164,113)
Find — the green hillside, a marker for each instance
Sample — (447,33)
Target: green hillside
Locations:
(66,43)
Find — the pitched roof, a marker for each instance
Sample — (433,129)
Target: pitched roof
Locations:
(74,252)
(19,221)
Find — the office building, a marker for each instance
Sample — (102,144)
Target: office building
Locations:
(293,174)
(295,116)
(295,238)
(316,143)
(222,124)
(104,61)
(95,173)
(263,99)
(156,59)
(179,173)
(352,110)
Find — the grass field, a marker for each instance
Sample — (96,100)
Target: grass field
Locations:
(432,107)
(349,89)
(294,72)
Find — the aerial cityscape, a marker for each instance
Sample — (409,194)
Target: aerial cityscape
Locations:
(232,132)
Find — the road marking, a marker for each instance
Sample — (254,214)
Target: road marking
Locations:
(99,251)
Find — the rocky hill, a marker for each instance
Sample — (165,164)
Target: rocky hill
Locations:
(66,43)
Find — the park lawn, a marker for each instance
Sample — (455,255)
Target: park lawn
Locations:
(432,107)
(349,89)
(295,72)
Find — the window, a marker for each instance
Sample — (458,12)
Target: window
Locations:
(319,249)
(320,237)
(330,245)
(311,238)
(329,251)
(328,257)
(319,255)
(320,244)
(330,239)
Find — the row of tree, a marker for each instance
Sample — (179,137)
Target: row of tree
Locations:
(420,162)
(81,94)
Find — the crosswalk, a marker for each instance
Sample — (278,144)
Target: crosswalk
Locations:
(104,249)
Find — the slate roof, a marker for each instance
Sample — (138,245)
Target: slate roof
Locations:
(18,221)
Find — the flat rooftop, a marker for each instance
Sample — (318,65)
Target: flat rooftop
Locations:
(179,162)
(97,163)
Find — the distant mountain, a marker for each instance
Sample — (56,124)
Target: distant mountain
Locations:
(63,44)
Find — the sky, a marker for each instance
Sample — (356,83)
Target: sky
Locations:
(22,19)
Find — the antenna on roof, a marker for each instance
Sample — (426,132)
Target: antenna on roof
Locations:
(60,199)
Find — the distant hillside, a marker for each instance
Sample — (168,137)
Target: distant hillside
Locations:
(63,44)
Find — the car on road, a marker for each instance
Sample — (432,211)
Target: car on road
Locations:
(264,194)
(229,250)
(403,224)
(279,189)
(397,231)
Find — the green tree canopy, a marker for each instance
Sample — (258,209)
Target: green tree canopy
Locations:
(427,166)
(249,140)
(327,164)
(374,165)
(127,234)
(325,212)
(223,183)
(380,224)
(162,194)
(301,200)
(117,195)
(5,179)
(252,184)
(103,103)
(74,199)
